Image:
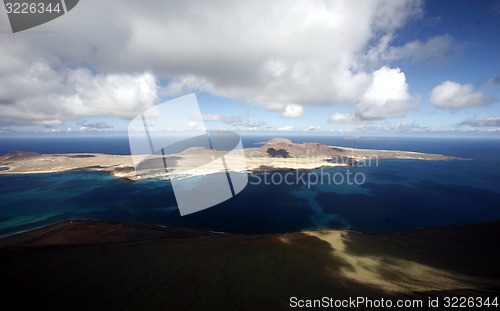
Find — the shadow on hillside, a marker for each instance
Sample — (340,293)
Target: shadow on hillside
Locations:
(206,273)
(224,272)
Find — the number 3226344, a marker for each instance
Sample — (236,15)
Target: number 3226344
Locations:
(32,8)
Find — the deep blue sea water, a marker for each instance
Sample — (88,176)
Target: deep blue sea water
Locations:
(396,194)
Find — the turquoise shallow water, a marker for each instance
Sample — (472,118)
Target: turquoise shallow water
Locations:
(396,195)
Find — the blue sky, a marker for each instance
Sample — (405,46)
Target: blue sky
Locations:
(379,68)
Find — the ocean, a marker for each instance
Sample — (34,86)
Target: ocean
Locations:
(395,195)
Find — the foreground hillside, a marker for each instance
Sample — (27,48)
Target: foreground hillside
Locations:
(89,265)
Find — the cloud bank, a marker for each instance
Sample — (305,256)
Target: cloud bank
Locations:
(489,122)
(282,55)
(41,95)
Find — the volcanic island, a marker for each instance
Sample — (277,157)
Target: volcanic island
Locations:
(276,154)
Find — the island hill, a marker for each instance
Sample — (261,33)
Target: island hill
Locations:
(276,154)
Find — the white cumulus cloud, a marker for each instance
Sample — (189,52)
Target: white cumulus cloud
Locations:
(235,121)
(387,96)
(286,128)
(41,95)
(453,95)
(293,111)
(343,118)
(312,128)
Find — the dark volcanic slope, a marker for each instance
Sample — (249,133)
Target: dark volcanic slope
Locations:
(85,265)
(299,150)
